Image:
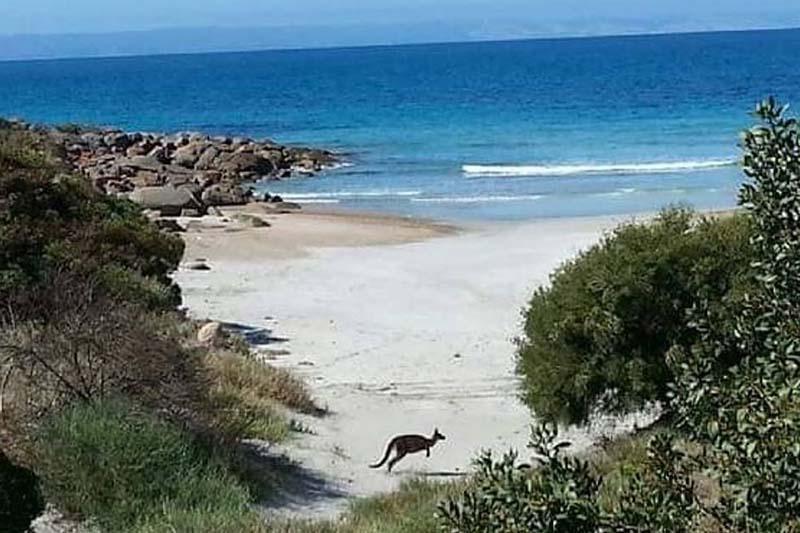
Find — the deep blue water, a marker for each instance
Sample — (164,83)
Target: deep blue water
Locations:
(482,130)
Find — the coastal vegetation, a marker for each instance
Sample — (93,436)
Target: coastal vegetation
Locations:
(130,470)
(596,338)
(112,407)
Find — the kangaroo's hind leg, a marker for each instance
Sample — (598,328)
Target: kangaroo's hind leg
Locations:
(396,459)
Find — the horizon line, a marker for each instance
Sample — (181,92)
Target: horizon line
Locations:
(554,37)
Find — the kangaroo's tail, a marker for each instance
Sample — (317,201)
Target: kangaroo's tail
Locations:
(385,456)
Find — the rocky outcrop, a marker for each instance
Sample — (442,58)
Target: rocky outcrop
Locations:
(168,200)
(224,193)
(164,172)
(211,334)
(156,160)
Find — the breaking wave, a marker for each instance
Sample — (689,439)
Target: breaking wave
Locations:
(349,194)
(476,199)
(474,171)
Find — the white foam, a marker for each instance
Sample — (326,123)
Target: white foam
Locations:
(587,169)
(617,192)
(477,199)
(318,201)
(350,194)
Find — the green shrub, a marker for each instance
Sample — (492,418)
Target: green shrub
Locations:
(558,496)
(597,337)
(660,496)
(565,494)
(130,471)
(20,149)
(131,286)
(20,500)
(50,221)
(747,419)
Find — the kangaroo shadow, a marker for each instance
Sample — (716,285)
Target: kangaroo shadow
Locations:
(440,474)
(278,482)
(255,336)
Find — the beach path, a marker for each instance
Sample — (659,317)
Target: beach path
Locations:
(397,326)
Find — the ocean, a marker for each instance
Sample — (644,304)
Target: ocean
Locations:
(487,131)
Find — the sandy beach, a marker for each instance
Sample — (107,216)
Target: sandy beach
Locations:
(398,325)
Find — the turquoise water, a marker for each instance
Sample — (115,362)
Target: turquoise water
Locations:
(504,131)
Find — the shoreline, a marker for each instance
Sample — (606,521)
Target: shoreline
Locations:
(397,325)
(232,236)
(302,230)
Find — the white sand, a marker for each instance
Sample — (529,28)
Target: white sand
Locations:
(393,338)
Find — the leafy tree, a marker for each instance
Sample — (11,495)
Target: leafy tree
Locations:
(597,337)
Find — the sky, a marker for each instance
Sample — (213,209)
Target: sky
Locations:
(24,24)
(95,16)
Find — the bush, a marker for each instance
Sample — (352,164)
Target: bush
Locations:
(557,497)
(51,221)
(248,393)
(21,149)
(20,500)
(747,419)
(597,337)
(131,286)
(565,494)
(87,346)
(130,471)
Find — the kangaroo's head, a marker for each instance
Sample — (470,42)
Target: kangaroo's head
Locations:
(437,436)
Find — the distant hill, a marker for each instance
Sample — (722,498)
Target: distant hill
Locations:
(204,40)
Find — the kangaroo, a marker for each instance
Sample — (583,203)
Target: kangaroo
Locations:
(405,444)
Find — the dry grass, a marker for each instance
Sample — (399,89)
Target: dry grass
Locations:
(259,380)
(256,394)
(86,347)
